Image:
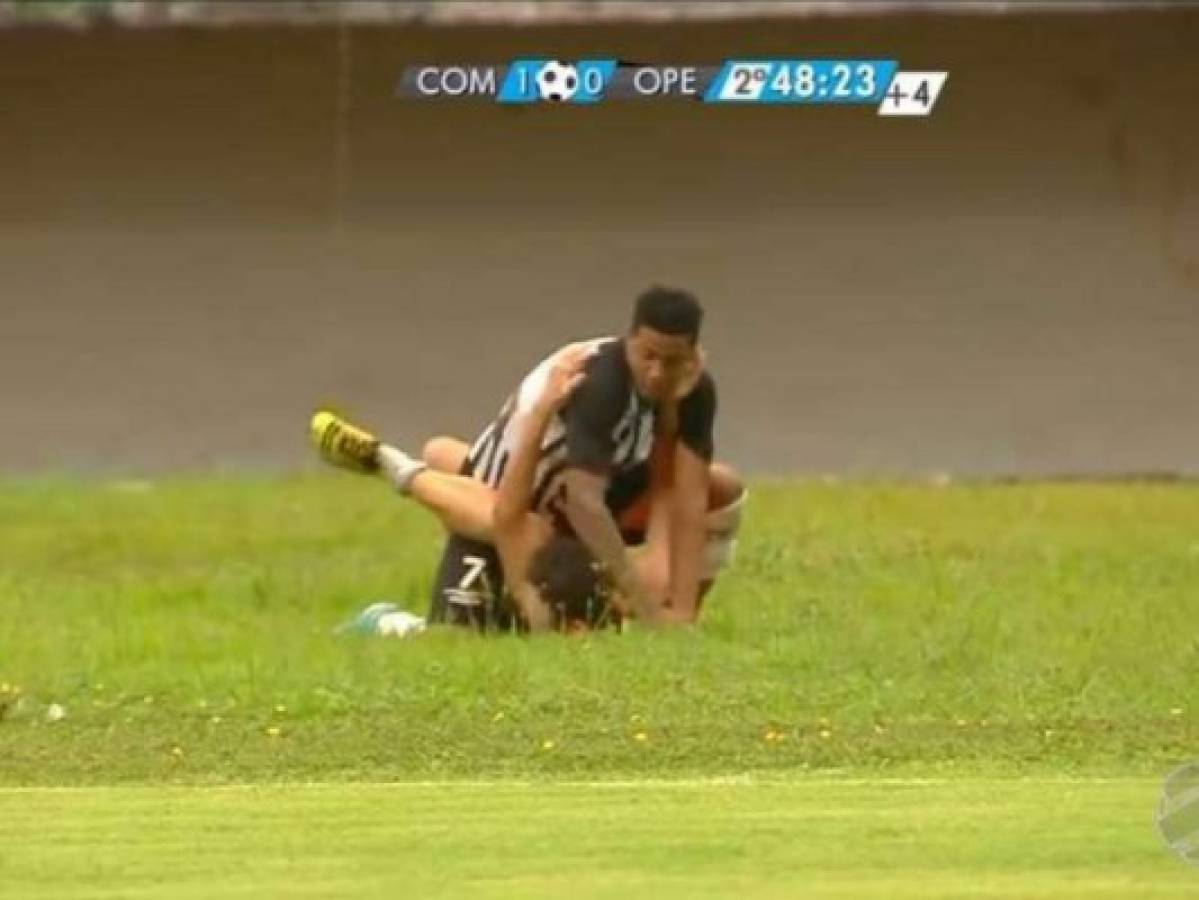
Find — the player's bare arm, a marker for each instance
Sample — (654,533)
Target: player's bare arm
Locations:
(592,521)
(688,513)
(688,502)
(519,531)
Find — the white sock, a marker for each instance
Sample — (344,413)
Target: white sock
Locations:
(398,467)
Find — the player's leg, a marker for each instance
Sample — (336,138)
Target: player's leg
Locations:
(445,454)
(726,507)
(463,504)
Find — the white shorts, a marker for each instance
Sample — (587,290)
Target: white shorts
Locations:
(721,545)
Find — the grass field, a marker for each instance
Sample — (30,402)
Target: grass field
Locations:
(819,837)
(920,689)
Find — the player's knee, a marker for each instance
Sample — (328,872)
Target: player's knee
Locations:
(724,486)
(445,454)
(726,507)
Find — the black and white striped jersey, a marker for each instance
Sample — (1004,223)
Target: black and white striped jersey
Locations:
(606,426)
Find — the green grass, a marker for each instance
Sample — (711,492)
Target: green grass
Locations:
(814,837)
(869,628)
(899,691)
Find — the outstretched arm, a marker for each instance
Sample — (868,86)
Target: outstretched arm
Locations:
(688,509)
(519,530)
(692,417)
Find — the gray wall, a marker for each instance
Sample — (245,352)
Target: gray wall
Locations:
(196,246)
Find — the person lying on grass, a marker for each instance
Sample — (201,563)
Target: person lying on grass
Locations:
(526,569)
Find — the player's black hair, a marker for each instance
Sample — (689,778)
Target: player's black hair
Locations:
(569,579)
(669,311)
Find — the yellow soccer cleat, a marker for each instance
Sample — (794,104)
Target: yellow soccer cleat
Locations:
(342,444)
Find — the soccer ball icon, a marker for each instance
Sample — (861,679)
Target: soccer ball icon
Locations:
(557,81)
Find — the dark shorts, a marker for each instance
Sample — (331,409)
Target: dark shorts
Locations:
(469,588)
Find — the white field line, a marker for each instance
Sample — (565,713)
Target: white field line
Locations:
(619,784)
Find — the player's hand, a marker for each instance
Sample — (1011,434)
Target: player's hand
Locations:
(632,597)
(566,373)
(693,371)
(688,378)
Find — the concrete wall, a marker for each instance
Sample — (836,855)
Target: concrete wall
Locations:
(199,241)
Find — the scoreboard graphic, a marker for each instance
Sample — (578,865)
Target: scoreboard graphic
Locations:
(876,83)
